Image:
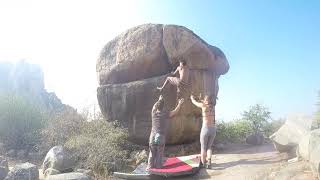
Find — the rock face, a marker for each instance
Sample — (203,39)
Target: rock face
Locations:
(4,169)
(69,176)
(57,160)
(255,139)
(303,148)
(133,64)
(25,171)
(314,152)
(290,134)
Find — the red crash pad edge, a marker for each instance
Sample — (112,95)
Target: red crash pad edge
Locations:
(177,167)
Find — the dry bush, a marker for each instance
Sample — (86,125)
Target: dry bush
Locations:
(101,147)
(98,145)
(235,131)
(60,127)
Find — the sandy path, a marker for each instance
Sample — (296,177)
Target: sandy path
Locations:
(245,162)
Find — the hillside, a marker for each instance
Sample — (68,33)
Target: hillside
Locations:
(27,80)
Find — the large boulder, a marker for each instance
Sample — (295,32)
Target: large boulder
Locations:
(68,176)
(134,55)
(314,152)
(58,160)
(25,171)
(289,135)
(181,43)
(4,169)
(303,147)
(133,64)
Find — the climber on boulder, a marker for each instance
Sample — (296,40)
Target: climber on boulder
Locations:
(182,81)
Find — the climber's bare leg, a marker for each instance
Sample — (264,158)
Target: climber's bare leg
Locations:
(164,84)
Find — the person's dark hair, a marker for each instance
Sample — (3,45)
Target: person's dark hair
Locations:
(209,100)
(183,62)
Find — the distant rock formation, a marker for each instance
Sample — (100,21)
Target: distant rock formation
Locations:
(133,64)
(27,80)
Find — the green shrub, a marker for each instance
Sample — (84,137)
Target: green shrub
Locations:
(20,122)
(235,131)
(98,145)
(258,117)
(101,147)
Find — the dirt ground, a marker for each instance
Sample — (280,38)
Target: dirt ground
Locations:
(244,162)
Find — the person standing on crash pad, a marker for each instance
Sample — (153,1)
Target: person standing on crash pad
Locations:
(208,129)
(157,139)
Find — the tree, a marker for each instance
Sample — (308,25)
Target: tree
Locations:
(258,117)
(20,122)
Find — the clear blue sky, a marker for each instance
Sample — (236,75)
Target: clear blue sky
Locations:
(272,46)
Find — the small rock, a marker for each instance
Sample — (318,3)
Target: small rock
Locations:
(255,139)
(3,168)
(60,159)
(219,147)
(69,176)
(25,171)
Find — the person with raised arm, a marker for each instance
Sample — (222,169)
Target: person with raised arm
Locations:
(157,139)
(208,129)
